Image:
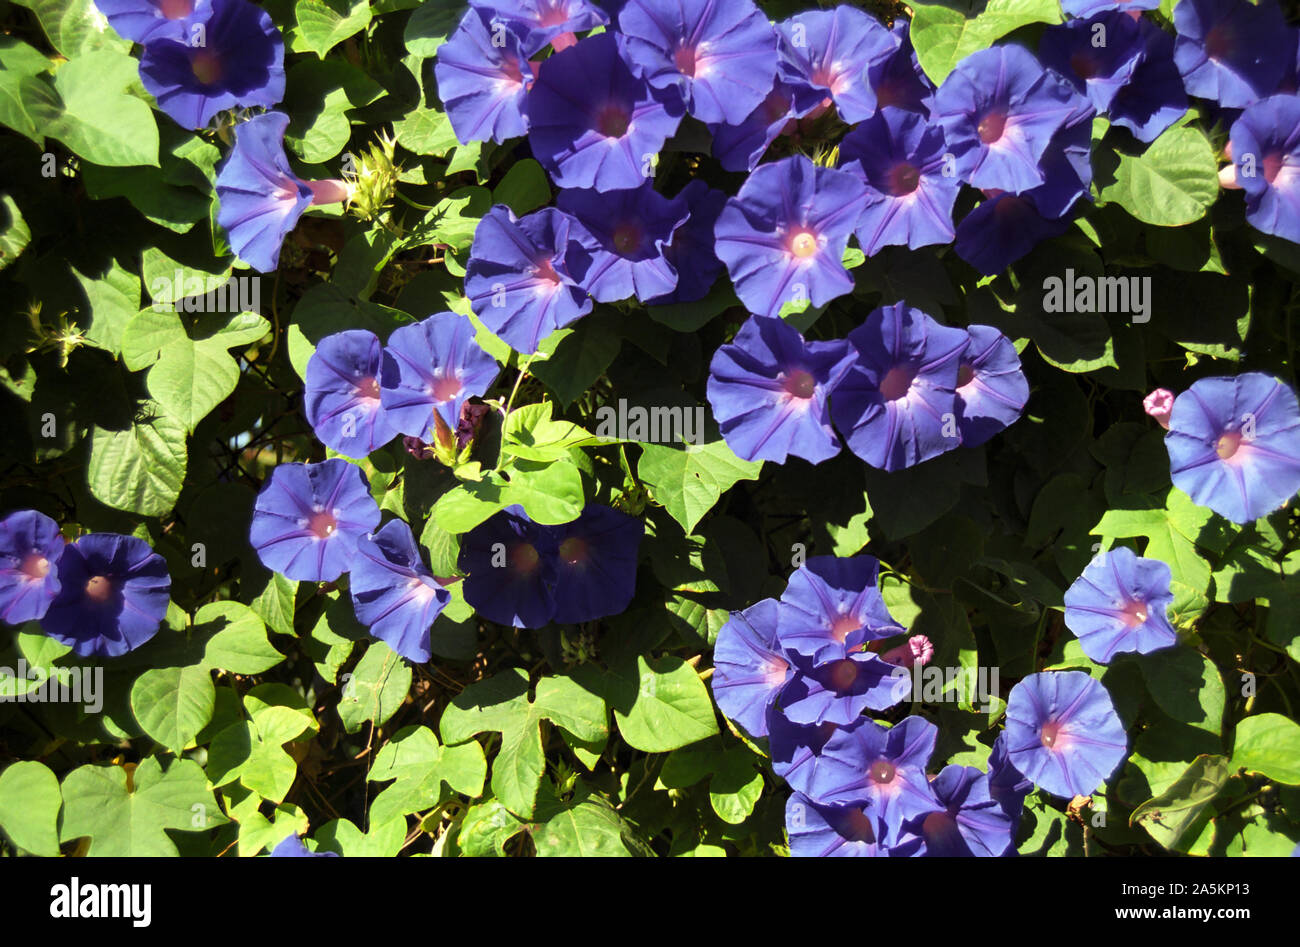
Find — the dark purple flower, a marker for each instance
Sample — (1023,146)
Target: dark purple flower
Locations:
(991,388)
(143,21)
(596,572)
(898,405)
(393,592)
(1063,733)
(292,847)
(719,56)
(1119,604)
(828,54)
(834,607)
(1088,8)
(430,370)
(1098,56)
(999,109)
(783,236)
(540,21)
(1266,154)
(240,62)
(523,275)
(30,547)
(749,666)
(592,122)
(1230,51)
(113,595)
(971,821)
(308,518)
(690,252)
(768,390)
(625,233)
(898,80)
(1066,165)
(511,565)
(342,393)
(1002,229)
(838,690)
(739,147)
(885,767)
(1006,785)
(841,831)
(796,750)
(1234,445)
(911,187)
(483,78)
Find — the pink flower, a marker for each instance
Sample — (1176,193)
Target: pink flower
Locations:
(1159,404)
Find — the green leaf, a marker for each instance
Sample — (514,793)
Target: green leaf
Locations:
(586,827)
(252,751)
(321,26)
(945,34)
(15,235)
(1169,816)
(98,120)
(173,704)
(384,840)
(425,131)
(486,828)
(530,433)
(1186,685)
(1172,183)
(1269,744)
(114,300)
(140,469)
(75,26)
(421,766)
(687,480)
(431,24)
(375,689)
(238,643)
(525,187)
(29,807)
(661,706)
(580,358)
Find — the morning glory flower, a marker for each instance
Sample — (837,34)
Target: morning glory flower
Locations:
(1266,155)
(593,123)
(1119,605)
(239,63)
(1089,8)
(511,565)
(749,666)
(838,690)
(430,370)
(342,393)
(393,592)
(834,607)
(1097,56)
(827,56)
(783,236)
(999,109)
(625,234)
(719,56)
(596,569)
(1002,229)
(1063,733)
(523,275)
(293,847)
(690,251)
(1230,51)
(541,21)
(308,518)
(796,749)
(971,821)
(991,388)
(483,78)
(841,831)
(898,80)
(1155,98)
(1006,784)
(113,595)
(901,159)
(30,547)
(1234,445)
(898,406)
(260,198)
(143,21)
(740,146)
(885,767)
(768,390)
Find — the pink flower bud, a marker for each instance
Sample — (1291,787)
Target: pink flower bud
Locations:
(329,191)
(915,650)
(1159,404)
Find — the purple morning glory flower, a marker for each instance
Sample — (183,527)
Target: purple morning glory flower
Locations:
(749,666)
(738,147)
(991,388)
(523,275)
(625,233)
(838,690)
(393,593)
(1118,604)
(592,122)
(901,159)
(1090,8)
(841,831)
(143,21)
(1234,445)
(540,21)
(898,406)
(292,847)
(828,54)
(783,236)
(886,767)
(971,821)
(898,80)
(483,78)
(511,565)
(1002,229)
(342,393)
(1063,733)
(1006,785)
(308,517)
(596,572)
(1155,98)
(113,594)
(30,547)
(1097,56)
(768,390)
(239,63)
(999,109)
(430,370)
(796,750)
(1230,51)
(1266,154)
(690,252)
(834,608)
(718,55)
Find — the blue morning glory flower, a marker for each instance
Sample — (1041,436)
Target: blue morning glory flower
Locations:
(834,608)
(768,389)
(1119,605)
(393,592)
(1230,51)
(143,21)
(541,21)
(749,666)
(991,387)
(828,54)
(740,146)
(511,564)
(796,749)
(483,78)
(690,252)
(1098,56)
(838,690)
(1002,229)
(342,394)
(1266,155)
(1006,784)
(885,767)
(841,831)
(970,823)
(30,547)
(596,572)
(293,847)
(1063,733)
(898,80)
(1089,8)
(1155,98)
(308,518)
